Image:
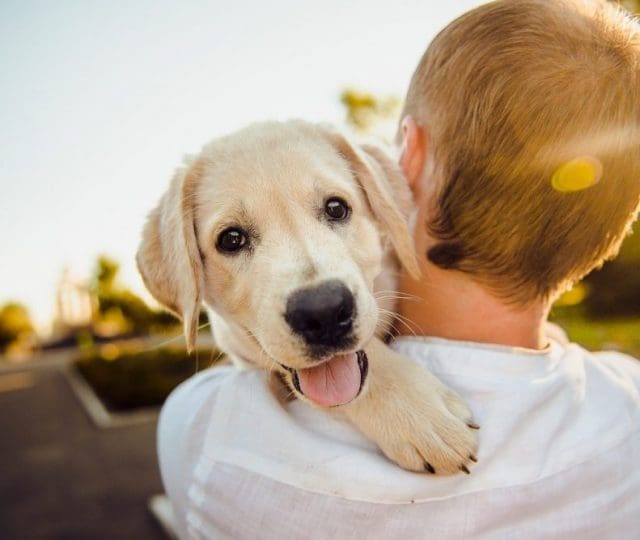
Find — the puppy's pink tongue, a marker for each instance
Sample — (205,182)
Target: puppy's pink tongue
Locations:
(334,382)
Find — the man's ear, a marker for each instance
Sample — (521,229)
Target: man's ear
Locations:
(413,151)
(168,257)
(387,194)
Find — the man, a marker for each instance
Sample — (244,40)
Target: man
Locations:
(520,141)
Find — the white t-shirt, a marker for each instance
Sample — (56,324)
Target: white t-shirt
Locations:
(559,454)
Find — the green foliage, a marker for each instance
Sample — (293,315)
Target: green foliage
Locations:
(122,309)
(105,273)
(15,325)
(126,380)
(621,334)
(365,110)
(615,288)
(606,310)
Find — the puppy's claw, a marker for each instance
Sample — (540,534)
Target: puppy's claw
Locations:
(473,458)
(429,468)
(464,469)
(473,425)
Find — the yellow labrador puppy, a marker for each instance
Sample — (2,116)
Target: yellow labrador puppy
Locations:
(286,231)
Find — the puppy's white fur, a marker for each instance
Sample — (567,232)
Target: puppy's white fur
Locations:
(273,180)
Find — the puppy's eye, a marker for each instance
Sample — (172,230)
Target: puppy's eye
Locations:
(336,209)
(231,240)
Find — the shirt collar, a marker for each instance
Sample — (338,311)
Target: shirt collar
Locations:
(479,359)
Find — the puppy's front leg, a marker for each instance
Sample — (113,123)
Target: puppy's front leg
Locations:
(414,418)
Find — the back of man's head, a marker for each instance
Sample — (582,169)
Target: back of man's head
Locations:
(532,109)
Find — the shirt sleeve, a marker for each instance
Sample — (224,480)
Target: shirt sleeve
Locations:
(182,426)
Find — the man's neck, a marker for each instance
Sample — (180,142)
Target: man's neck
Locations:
(450,305)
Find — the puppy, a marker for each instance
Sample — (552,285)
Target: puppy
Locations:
(292,237)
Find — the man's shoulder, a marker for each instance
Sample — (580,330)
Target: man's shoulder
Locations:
(615,374)
(186,417)
(231,416)
(187,411)
(448,356)
(617,363)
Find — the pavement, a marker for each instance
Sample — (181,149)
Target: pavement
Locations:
(63,478)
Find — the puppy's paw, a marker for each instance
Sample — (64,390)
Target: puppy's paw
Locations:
(434,432)
(415,419)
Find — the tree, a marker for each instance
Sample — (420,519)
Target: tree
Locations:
(369,114)
(105,273)
(119,310)
(15,325)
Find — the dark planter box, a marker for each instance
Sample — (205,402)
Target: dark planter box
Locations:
(127,380)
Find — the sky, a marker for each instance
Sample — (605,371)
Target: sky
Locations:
(100,100)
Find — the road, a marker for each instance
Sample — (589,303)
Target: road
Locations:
(62,477)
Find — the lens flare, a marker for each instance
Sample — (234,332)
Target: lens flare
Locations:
(576,175)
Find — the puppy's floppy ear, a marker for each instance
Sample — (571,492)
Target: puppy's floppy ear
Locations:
(387,192)
(168,256)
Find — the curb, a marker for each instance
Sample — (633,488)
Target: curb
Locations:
(95,409)
(161,509)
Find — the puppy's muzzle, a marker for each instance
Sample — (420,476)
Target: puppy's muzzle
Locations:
(323,316)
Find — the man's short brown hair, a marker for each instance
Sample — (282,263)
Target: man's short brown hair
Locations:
(508,93)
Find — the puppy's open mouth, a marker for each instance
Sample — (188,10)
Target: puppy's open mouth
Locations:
(337,381)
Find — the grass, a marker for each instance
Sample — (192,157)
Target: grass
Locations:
(621,334)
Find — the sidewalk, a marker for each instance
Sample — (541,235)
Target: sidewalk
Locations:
(61,477)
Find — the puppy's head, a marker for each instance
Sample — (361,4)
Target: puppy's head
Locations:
(280,229)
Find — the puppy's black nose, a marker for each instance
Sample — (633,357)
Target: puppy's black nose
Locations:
(322,315)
